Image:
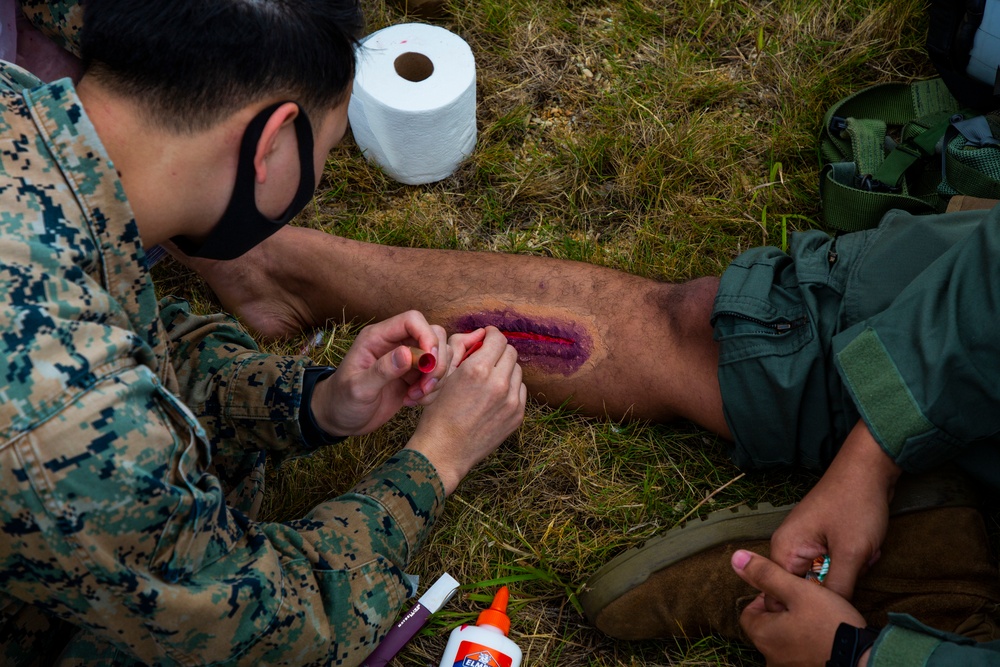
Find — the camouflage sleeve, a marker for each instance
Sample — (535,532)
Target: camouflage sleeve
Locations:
(60,20)
(112,522)
(236,391)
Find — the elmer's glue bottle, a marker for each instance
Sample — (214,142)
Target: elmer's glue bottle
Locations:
(484,644)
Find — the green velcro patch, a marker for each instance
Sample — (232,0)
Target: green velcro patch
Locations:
(890,409)
(899,647)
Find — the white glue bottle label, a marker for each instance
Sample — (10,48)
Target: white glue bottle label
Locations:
(484,644)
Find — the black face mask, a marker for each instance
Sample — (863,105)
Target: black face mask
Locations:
(242,226)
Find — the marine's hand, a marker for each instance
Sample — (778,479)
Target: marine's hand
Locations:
(478,405)
(801,632)
(375,378)
(459,347)
(846,515)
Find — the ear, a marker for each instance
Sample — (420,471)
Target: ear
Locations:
(270,139)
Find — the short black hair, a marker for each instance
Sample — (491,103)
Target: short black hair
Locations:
(190,63)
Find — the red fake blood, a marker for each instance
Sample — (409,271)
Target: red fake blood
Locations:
(555,346)
(536,337)
(519,335)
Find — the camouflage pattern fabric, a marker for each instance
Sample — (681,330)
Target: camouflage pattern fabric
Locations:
(125,425)
(59,19)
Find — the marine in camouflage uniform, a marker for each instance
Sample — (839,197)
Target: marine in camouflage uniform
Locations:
(124,425)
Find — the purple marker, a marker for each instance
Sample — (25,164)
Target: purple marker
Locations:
(432,600)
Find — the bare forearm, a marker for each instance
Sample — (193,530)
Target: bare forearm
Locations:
(862,460)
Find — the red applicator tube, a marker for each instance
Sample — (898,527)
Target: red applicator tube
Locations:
(425,362)
(468,353)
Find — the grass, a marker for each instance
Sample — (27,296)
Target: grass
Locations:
(660,137)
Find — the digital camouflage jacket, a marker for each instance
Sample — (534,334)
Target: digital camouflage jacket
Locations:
(114,415)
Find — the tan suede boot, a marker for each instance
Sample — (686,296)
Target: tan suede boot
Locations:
(935,565)
(680,584)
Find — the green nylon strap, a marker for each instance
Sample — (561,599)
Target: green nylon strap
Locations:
(833,148)
(896,164)
(971,164)
(908,153)
(932,97)
(847,208)
(895,103)
(891,103)
(856,147)
(867,143)
(968,180)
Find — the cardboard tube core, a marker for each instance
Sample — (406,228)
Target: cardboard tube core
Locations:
(413,66)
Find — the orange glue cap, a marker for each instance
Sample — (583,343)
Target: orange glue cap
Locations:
(496,615)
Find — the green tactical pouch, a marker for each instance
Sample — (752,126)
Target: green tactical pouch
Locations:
(904,146)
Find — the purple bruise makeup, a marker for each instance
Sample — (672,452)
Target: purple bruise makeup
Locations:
(554,345)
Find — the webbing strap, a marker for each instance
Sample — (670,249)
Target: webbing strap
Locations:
(891,103)
(867,143)
(895,103)
(932,97)
(969,180)
(908,153)
(861,183)
(847,208)
(971,176)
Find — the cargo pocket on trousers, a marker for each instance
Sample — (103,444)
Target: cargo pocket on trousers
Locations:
(741,336)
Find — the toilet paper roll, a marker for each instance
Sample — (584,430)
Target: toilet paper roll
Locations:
(413,109)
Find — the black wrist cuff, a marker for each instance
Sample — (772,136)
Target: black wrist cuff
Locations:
(312,434)
(849,643)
